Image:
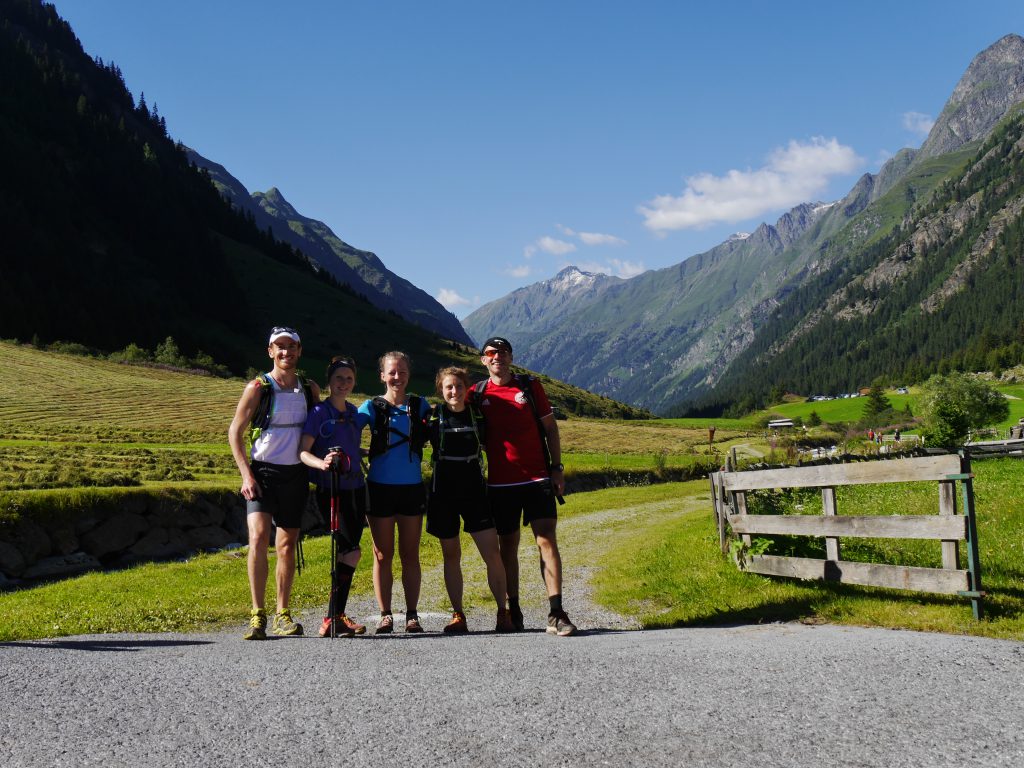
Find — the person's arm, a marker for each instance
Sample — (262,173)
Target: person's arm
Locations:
(236,438)
(555,449)
(307,457)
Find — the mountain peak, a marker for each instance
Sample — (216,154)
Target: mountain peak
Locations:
(992,84)
(272,200)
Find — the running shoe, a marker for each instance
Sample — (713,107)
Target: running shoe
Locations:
(504,622)
(516,616)
(340,630)
(386,625)
(283,624)
(353,626)
(413,626)
(559,624)
(458,625)
(257,626)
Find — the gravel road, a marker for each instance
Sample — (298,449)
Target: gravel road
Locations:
(778,695)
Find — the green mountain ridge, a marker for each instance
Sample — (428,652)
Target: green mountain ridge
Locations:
(678,334)
(361,270)
(113,236)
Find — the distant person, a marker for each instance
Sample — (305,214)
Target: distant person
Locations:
(330,444)
(275,483)
(398,427)
(896,435)
(458,489)
(524,474)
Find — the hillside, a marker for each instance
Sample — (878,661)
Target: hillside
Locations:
(940,291)
(360,270)
(113,237)
(671,335)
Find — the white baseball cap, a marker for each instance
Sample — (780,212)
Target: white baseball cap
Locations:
(281,331)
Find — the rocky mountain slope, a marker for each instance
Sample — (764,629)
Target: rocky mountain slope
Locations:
(670,335)
(360,270)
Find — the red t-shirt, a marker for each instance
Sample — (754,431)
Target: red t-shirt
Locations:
(514,451)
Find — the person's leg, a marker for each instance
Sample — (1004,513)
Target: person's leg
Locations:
(285,544)
(382,531)
(349,561)
(259,524)
(487,543)
(451,550)
(547,543)
(348,536)
(410,529)
(508,546)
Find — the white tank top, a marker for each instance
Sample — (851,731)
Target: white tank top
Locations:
(279,442)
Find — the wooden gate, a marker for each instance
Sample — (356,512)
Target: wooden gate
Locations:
(729,496)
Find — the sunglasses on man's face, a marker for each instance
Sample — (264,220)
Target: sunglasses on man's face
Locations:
(495,352)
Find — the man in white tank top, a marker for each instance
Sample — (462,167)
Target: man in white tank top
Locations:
(275,483)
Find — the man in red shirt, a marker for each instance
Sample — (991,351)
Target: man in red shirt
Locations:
(524,474)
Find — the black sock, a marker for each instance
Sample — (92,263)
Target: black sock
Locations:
(411,615)
(344,576)
(556,605)
(513,604)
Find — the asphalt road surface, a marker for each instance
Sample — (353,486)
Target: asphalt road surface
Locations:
(773,695)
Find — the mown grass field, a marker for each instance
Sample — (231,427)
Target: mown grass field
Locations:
(69,421)
(652,551)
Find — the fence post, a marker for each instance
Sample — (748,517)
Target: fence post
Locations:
(947,507)
(973,558)
(828,507)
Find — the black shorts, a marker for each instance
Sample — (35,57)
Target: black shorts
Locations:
(531,501)
(284,491)
(390,500)
(443,514)
(351,516)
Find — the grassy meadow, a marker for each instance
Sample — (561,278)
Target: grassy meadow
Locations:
(650,551)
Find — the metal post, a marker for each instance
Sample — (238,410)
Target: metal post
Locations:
(973,559)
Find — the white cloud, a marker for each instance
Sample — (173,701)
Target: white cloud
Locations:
(918,123)
(793,174)
(523,270)
(565,230)
(595,238)
(554,246)
(450,299)
(627,268)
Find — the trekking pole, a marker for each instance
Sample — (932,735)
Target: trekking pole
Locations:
(332,601)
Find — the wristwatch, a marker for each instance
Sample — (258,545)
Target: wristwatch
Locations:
(557,467)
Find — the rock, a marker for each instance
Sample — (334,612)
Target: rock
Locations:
(116,534)
(235,522)
(31,540)
(63,540)
(215,515)
(173,513)
(159,544)
(12,562)
(60,566)
(208,537)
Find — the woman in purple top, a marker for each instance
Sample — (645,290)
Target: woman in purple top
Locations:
(330,446)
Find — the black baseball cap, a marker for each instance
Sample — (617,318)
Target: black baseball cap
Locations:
(498,343)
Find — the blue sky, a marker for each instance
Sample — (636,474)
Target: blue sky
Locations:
(477,147)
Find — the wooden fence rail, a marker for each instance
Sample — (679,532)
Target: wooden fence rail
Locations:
(729,496)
